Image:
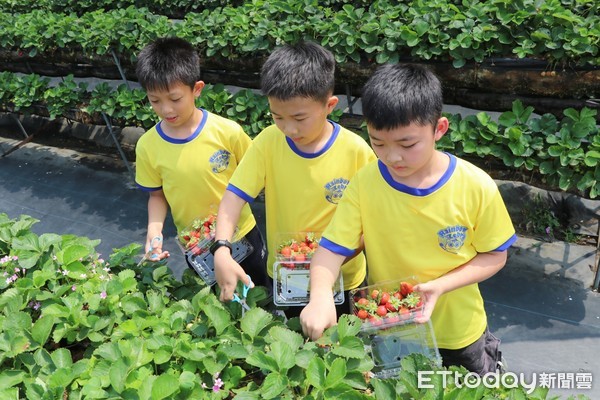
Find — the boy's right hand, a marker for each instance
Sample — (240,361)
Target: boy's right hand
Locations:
(154,249)
(227,273)
(318,315)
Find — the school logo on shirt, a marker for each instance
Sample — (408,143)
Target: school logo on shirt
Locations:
(335,189)
(452,238)
(219,161)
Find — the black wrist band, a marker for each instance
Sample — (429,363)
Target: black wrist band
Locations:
(219,243)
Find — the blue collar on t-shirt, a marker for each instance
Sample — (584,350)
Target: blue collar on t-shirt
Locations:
(334,134)
(187,139)
(415,191)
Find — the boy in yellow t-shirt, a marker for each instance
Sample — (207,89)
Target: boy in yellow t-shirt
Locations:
(186,160)
(304,161)
(422,213)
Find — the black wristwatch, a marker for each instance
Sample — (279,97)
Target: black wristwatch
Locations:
(219,243)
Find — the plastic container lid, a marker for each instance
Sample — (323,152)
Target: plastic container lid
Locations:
(291,284)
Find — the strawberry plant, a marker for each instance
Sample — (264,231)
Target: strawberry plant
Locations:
(64,96)
(27,90)
(74,325)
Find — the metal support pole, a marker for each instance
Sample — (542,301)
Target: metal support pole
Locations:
(350,100)
(597,277)
(118,64)
(28,137)
(20,125)
(121,152)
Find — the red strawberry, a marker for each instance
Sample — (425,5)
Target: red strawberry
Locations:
(286,251)
(362,314)
(405,289)
(393,304)
(404,313)
(382,311)
(385,297)
(196,250)
(299,257)
(363,302)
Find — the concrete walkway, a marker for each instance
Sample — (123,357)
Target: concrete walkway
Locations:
(540,305)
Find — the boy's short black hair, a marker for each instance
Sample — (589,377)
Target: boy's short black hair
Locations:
(304,69)
(167,61)
(398,95)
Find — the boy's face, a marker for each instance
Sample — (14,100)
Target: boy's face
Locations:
(175,106)
(408,151)
(302,119)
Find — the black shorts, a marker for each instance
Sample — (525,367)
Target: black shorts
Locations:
(480,357)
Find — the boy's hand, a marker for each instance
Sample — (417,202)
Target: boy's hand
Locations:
(154,249)
(318,315)
(431,291)
(227,273)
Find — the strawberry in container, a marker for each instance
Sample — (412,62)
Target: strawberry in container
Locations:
(198,236)
(291,271)
(294,253)
(387,304)
(389,331)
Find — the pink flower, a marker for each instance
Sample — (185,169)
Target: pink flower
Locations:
(217,385)
(103,295)
(73,287)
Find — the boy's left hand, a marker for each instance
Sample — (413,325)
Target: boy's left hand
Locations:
(431,292)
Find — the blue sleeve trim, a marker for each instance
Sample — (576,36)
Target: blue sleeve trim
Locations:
(336,248)
(148,189)
(240,193)
(507,244)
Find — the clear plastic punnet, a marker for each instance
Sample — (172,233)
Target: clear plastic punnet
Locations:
(388,346)
(388,311)
(195,241)
(291,271)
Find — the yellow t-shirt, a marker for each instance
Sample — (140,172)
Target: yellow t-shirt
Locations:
(425,233)
(193,172)
(302,190)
